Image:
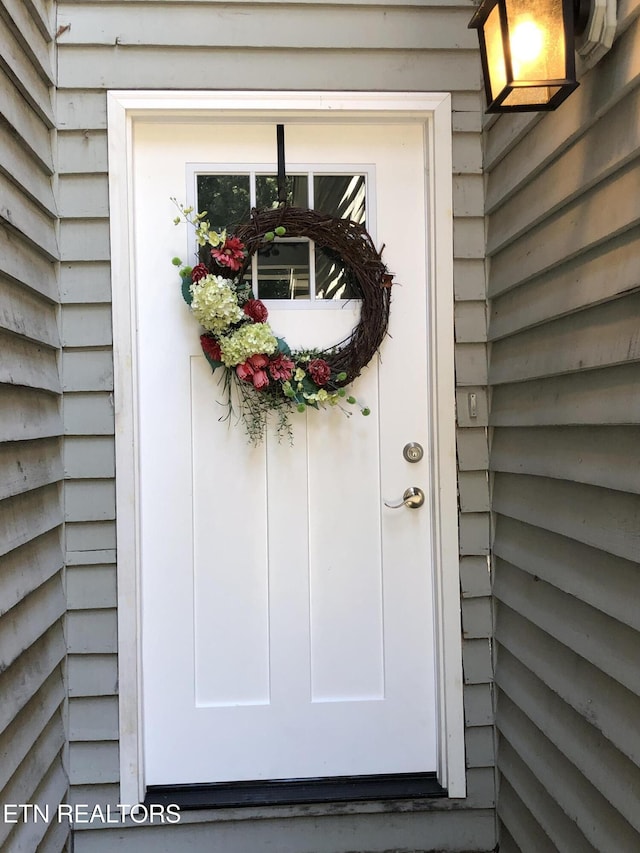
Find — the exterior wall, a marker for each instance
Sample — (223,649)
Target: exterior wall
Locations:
(195,45)
(32,601)
(564,239)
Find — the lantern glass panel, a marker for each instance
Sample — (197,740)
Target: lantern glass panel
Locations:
(530,96)
(495,52)
(536,41)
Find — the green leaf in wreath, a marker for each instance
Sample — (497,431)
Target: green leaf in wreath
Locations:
(214,364)
(186,290)
(283,346)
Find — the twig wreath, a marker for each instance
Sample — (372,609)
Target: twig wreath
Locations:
(269,377)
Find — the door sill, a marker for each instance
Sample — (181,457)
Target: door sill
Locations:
(337,789)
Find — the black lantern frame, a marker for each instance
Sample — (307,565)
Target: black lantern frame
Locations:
(553,91)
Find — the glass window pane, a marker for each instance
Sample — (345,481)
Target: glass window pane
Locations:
(343,196)
(226,199)
(333,281)
(267,190)
(283,270)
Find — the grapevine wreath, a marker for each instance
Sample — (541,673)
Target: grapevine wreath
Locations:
(268,376)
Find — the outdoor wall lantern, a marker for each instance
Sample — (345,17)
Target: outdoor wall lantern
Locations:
(527,48)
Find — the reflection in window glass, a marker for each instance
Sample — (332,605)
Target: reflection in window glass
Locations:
(267,190)
(343,196)
(333,281)
(283,270)
(226,198)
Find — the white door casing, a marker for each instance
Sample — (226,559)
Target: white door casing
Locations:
(340,643)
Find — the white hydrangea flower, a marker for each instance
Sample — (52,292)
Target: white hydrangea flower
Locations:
(215,304)
(248,340)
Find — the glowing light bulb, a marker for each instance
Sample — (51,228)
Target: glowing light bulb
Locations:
(527,42)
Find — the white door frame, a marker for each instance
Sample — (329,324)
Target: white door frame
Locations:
(433,111)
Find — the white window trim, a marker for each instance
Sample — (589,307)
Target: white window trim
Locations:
(433,110)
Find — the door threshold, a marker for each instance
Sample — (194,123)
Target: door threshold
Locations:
(272,792)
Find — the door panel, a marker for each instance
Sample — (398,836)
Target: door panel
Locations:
(287,613)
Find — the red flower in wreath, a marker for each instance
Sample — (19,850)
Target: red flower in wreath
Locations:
(281,367)
(230,254)
(319,371)
(198,272)
(253,371)
(256,310)
(211,347)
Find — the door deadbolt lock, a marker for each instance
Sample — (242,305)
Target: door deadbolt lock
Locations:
(413,451)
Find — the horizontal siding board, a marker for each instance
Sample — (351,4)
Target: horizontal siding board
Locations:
(607,583)
(90,500)
(479,747)
(473,491)
(43,13)
(90,558)
(28,414)
(525,835)
(611,208)
(90,457)
(604,702)
(467,160)
(618,780)
(28,465)
(86,325)
(28,620)
(476,661)
(88,414)
(83,196)
(30,128)
(182,68)
(602,518)
(29,364)
(85,283)
(33,88)
(93,762)
(468,190)
(92,675)
(603,336)
(24,313)
(471,364)
(92,632)
(84,240)
(600,397)
(607,644)
(600,823)
(610,144)
(91,587)
(24,517)
(20,683)
(93,719)
(81,109)
(540,826)
(27,217)
(477,618)
(599,456)
(18,738)
(474,533)
(245,25)
(56,837)
(90,535)
(468,237)
(470,322)
(26,172)
(81,152)
(478,705)
(26,568)
(473,450)
(87,370)
(609,271)
(20,263)
(24,784)
(50,793)
(35,43)
(474,577)
(469,279)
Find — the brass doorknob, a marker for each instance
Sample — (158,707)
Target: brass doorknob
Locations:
(412,498)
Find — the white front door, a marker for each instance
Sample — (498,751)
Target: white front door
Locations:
(287,613)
